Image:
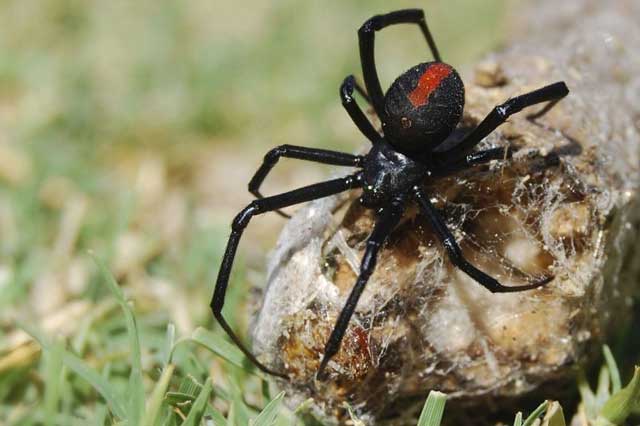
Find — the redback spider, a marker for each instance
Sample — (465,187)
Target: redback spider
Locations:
(418,113)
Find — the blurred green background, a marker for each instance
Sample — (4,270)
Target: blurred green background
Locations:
(131,129)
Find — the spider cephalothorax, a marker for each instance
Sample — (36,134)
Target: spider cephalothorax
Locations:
(419,111)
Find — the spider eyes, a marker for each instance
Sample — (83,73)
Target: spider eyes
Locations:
(405,122)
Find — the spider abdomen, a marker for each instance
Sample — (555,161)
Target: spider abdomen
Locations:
(423,106)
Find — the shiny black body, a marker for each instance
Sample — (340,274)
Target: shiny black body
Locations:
(417,130)
(418,113)
(387,173)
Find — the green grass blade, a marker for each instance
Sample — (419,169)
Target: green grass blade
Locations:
(536,413)
(190,386)
(603,391)
(216,416)
(587,396)
(77,365)
(97,381)
(621,404)
(304,406)
(200,404)
(135,390)
(157,396)
(264,389)
(100,415)
(231,416)
(614,373)
(355,421)
(268,415)
(219,346)
(53,372)
(518,420)
(170,342)
(242,413)
(433,409)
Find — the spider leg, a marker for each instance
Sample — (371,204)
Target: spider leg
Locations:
(474,159)
(349,103)
(362,91)
(387,220)
(482,157)
(241,221)
(455,253)
(317,155)
(366,36)
(501,113)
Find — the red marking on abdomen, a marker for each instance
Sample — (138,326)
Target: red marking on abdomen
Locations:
(429,81)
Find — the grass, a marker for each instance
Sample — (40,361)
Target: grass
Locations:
(193,404)
(129,130)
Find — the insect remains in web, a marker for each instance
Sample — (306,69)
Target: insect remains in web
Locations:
(416,150)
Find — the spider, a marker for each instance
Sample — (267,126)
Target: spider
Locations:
(419,111)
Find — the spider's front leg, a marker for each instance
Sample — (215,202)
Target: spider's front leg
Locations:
(387,220)
(256,207)
(357,116)
(455,253)
(323,156)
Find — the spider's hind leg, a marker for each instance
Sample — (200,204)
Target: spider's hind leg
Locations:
(474,159)
(455,253)
(551,93)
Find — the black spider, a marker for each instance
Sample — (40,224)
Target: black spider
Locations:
(418,113)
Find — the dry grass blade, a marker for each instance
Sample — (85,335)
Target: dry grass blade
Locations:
(554,416)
